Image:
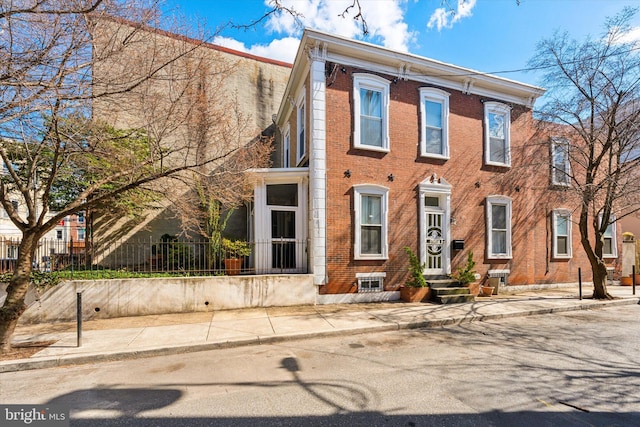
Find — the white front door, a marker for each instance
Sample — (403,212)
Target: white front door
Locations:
(435,217)
(436,242)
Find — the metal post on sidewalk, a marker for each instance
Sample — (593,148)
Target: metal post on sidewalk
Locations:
(580,282)
(633,278)
(79,316)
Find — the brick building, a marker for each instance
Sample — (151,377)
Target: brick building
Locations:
(381,149)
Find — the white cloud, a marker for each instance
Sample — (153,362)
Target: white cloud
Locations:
(385,20)
(230,43)
(280,49)
(445,18)
(632,36)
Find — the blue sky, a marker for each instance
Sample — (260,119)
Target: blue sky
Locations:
(485,35)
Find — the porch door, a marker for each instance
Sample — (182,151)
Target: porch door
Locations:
(282,251)
(435,233)
(280,218)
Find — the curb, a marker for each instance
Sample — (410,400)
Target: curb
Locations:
(26,364)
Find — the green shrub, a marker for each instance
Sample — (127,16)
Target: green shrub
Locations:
(39,279)
(466,274)
(235,248)
(416,269)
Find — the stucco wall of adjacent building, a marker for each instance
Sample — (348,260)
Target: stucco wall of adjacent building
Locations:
(239,87)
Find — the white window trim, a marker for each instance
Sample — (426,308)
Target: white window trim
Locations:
(442,97)
(556,213)
(555,142)
(498,200)
(12,251)
(373,82)
(368,276)
(497,108)
(301,118)
(286,147)
(614,238)
(374,190)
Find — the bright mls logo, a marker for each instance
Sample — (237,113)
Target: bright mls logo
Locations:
(36,415)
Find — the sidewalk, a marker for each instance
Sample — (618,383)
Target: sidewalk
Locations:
(144,336)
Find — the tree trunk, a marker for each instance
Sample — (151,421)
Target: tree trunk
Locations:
(600,281)
(14,305)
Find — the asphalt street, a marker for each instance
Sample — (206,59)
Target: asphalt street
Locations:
(573,368)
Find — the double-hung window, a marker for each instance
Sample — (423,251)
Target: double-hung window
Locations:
(434,113)
(610,247)
(301,121)
(371,112)
(12,251)
(560,166)
(371,202)
(498,227)
(561,220)
(497,140)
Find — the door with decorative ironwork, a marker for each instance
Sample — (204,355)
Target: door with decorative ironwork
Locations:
(435,234)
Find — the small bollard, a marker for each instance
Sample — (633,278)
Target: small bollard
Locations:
(580,282)
(79,316)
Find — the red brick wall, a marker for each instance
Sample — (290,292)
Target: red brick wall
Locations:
(526,182)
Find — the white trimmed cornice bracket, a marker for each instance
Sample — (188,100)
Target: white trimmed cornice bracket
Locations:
(403,71)
(318,52)
(467,86)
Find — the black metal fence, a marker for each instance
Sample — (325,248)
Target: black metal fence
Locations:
(176,256)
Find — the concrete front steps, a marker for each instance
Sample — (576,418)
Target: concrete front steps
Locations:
(449,291)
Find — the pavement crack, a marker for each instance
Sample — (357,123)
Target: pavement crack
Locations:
(573,406)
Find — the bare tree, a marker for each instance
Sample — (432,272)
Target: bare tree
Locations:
(592,118)
(95,109)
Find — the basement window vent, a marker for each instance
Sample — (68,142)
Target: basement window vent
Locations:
(503,275)
(610,275)
(370,282)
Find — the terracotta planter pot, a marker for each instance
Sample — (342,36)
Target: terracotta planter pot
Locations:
(232,266)
(627,281)
(474,288)
(487,291)
(408,294)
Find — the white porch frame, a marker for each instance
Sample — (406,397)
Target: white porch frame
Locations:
(261,211)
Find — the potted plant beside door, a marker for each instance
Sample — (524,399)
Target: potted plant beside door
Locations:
(416,289)
(466,275)
(234,252)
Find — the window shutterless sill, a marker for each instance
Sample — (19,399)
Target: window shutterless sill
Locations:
(370,148)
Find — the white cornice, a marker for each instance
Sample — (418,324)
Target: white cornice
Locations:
(317,45)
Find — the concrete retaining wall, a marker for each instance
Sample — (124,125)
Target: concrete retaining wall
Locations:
(137,297)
